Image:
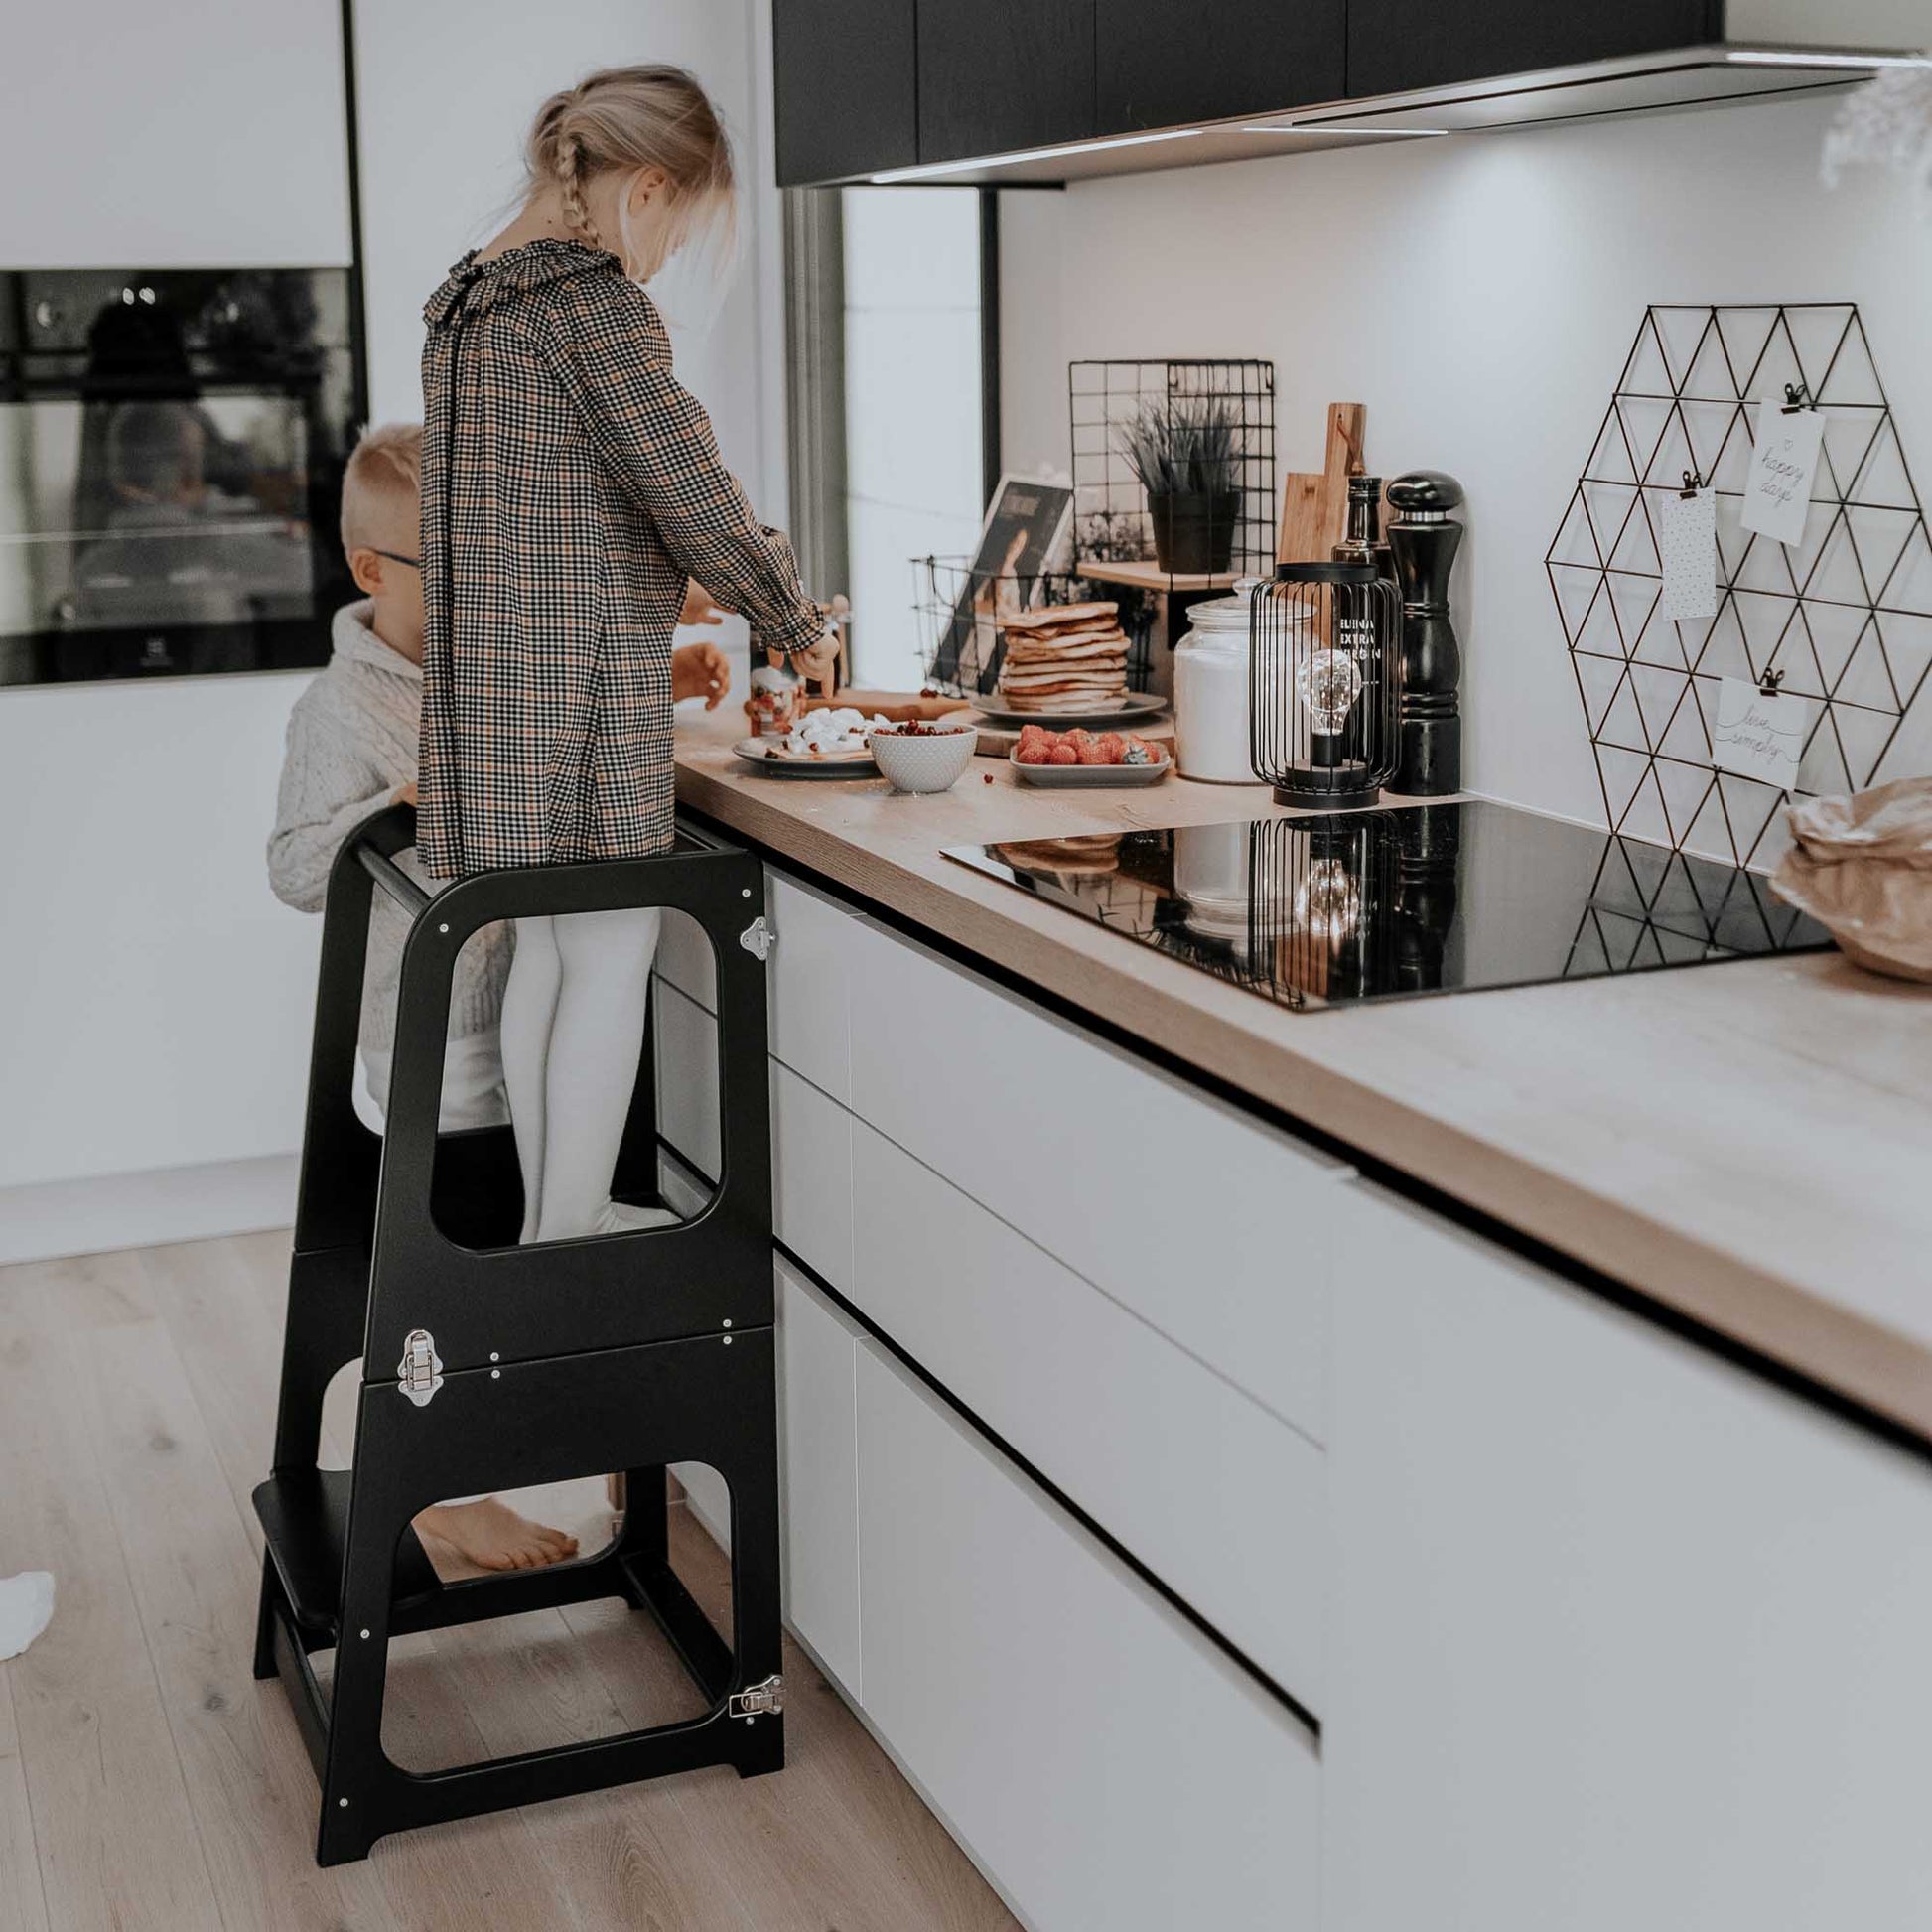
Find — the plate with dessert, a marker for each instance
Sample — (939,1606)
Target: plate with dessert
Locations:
(827,744)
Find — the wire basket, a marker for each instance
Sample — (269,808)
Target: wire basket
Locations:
(1113,519)
(960,608)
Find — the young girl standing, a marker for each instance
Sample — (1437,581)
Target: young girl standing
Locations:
(570,488)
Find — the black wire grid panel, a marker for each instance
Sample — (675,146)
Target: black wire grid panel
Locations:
(1110,514)
(959,608)
(1843,619)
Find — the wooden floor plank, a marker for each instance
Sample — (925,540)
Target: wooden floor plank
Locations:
(223,1301)
(115,1832)
(194,1574)
(23,1903)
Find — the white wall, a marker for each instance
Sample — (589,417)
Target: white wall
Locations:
(911,408)
(135,135)
(1479,294)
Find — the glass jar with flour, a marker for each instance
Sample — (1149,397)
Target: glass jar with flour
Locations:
(1211,693)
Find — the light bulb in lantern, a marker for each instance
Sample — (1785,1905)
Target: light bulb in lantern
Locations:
(1329,682)
(1329,901)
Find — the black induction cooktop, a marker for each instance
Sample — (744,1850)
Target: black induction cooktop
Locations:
(1335,908)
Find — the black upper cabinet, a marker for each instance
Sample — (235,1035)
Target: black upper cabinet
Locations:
(1000,75)
(1162,64)
(845,86)
(1395,45)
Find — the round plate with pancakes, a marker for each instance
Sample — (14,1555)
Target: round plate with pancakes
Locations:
(1095,711)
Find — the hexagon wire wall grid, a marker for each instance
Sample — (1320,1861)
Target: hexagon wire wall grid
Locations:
(1846,616)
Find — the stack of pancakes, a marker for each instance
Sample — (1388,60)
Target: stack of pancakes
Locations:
(1063,658)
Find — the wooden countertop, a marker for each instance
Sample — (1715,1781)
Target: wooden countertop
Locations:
(1749,1143)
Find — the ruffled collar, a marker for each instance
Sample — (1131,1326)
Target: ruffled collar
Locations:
(475,283)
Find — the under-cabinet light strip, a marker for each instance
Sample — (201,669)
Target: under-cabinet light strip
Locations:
(1343,128)
(1795,57)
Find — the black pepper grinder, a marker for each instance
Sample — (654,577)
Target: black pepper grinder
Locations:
(1423,539)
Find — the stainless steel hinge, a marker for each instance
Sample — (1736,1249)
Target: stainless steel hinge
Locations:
(757,1699)
(420,1372)
(757,939)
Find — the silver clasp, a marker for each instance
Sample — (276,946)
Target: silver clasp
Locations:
(420,1372)
(757,1699)
(757,939)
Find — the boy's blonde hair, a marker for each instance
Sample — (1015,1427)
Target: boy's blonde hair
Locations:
(637,118)
(383,486)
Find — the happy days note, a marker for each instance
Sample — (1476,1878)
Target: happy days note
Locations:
(1778,487)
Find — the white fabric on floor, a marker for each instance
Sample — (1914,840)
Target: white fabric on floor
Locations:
(26,1608)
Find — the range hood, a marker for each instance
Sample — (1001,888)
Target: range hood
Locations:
(1688,77)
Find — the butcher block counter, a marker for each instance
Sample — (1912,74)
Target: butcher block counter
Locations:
(1749,1145)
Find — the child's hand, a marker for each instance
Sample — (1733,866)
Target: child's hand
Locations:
(700,672)
(821,661)
(404,794)
(699,605)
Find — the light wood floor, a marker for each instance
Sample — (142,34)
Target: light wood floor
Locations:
(147,1783)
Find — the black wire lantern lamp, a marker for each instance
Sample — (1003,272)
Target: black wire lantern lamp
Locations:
(1322,649)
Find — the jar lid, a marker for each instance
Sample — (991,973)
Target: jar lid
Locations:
(1220,614)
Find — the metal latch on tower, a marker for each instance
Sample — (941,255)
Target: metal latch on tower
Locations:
(420,1372)
(757,939)
(757,1699)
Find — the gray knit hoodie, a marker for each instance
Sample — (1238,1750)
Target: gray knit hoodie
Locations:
(351,740)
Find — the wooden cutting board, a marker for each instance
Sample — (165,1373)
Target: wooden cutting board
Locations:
(1315,503)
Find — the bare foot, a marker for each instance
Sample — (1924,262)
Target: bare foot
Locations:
(491,1535)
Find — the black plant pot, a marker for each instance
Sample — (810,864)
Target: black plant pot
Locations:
(1193,533)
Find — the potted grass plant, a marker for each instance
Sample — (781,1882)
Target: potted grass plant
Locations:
(1187,453)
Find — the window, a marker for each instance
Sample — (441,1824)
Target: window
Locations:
(888,443)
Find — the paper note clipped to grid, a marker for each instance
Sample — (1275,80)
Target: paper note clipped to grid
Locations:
(1759,735)
(1687,546)
(1784,459)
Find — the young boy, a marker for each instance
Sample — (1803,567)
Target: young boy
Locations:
(351,750)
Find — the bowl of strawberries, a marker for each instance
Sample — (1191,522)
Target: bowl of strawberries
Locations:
(1080,758)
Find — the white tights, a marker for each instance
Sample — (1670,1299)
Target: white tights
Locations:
(573,1033)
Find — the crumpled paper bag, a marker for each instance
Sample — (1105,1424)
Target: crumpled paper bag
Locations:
(1861,868)
(26,1608)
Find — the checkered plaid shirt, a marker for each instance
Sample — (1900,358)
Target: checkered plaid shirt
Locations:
(567,495)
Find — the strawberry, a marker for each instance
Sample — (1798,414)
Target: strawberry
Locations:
(1114,746)
(1064,753)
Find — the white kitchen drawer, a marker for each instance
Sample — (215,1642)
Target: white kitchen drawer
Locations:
(1223,1501)
(1218,1231)
(809,980)
(1107,1765)
(685,958)
(818,1451)
(811,1176)
(686,1038)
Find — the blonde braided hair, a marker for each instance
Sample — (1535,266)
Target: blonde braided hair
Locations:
(636,118)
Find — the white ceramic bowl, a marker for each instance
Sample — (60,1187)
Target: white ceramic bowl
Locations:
(925,763)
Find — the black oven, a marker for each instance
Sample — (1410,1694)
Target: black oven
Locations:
(172,446)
